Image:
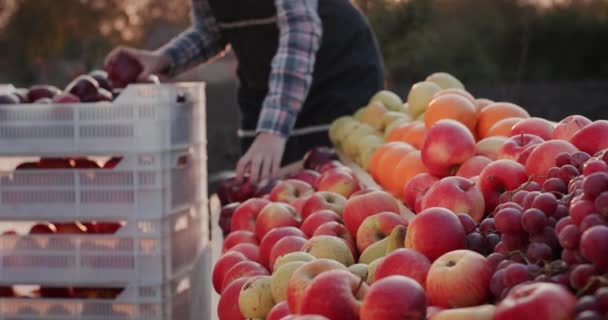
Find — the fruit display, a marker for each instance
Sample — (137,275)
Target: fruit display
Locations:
(510,218)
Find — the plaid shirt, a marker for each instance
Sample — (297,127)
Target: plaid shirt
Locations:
(300,32)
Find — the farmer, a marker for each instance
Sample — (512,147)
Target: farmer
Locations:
(301,64)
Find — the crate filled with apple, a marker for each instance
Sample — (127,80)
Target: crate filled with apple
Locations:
(154,301)
(468,209)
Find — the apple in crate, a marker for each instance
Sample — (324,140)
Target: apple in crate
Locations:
(569,126)
(316,219)
(415,189)
(536,126)
(317,157)
(448,143)
(543,157)
(335,229)
(54,163)
(458,194)
(7,292)
(339,181)
(40,91)
(394,298)
(515,145)
(362,206)
(272,237)
(473,167)
(289,190)
(303,276)
(274,215)
(459,278)
(404,262)
(285,246)
(112,162)
(307,175)
(231,190)
(435,231)
(223,264)
(84,87)
(255,298)
(238,237)
(123,70)
(377,227)
(538,301)
(243,269)
(84,163)
(228,304)
(9,98)
(588,138)
(323,200)
(66,97)
(226,217)
(345,291)
(498,177)
(279,311)
(250,250)
(246,214)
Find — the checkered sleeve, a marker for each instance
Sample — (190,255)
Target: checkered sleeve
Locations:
(200,43)
(300,31)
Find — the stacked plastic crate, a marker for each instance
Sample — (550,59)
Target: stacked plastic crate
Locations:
(125,241)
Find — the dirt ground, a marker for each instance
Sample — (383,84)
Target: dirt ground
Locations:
(553,101)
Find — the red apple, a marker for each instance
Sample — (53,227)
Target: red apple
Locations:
(7,292)
(275,215)
(66,97)
(223,264)
(84,87)
(543,157)
(536,126)
(289,190)
(243,269)
(364,191)
(43,228)
(232,190)
(591,138)
(316,157)
(250,250)
(279,311)
(264,190)
(435,231)
(538,301)
(447,144)
(237,237)
(284,246)
(458,194)
(307,175)
(40,91)
(323,200)
(317,218)
(377,227)
(56,292)
(303,276)
(473,166)
(515,145)
(112,162)
(226,217)
(83,163)
(345,291)
(228,304)
(54,163)
(246,214)
(490,147)
(498,177)
(9,98)
(298,205)
(404,262)
(271,238)
(304,317)
(523,156)
(362,206)
(123,70)
(336,229)
(339,181)
(568,126)
(331,165)
(416,188)
(102,78)
(70,228)
(459,278)
(394,298)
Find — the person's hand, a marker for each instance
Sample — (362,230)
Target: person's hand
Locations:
(152,62)
(263,159)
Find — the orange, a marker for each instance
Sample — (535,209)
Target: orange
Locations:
(451,106)
(397,133)
(390,159)
(460,92)
(503,127)
(481,103)
(495,112)
(409,166)
(374,162)
(415,135)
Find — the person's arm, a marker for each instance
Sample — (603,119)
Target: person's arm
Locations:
(199,44)
(300,31)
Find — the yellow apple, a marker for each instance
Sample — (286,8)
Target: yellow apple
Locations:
(483,312)
(340,128)
(329,247)
(371,270)
(255,298)
(389,99)
(360,270)
(292,257)
(420,95)
(280,279)
(349,145)
(445,80)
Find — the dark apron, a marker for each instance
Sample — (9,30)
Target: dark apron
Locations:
(347,71)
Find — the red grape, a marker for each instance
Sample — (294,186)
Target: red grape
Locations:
(532,186)
(539,252)
(594,165)
(562,279)
(579,209)
(601,203)
(510,204)
(581,275)
(578,158)
(515,274)
(568,172)
(527,203)
(519,196)
(508,220)
(545,202)
(487,225)
(497,283)
(555,185)
(533,220)
(595,183)
(562,223)
(514,241)
(601,296)
(551,222)
(467,222)
(594,246)
(501,248)
(553,172)
(591,220)
(575,185)
(542,278)
(562,159)
(569,237)
(492,239)
(589,315)
(560,212)
(495,258)
(585,303)
(474,242)
(572,257)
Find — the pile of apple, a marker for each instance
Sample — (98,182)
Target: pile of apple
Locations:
(97,86)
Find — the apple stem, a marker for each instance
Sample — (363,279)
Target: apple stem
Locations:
(520,188)
(359,285)
(519,253)
(592,282)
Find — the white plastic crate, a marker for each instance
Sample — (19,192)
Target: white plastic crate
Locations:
(182,298)
(142,186)
(140,251)
(144,118)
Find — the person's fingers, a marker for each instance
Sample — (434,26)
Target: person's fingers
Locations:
(254,170)
(266,169)
(241,166)
(112,55)
(274,169)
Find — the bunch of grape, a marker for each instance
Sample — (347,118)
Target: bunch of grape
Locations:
(594,306)
(481,238)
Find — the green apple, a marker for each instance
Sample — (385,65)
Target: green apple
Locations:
(389,99)
(360,270)
(280,280)
(291,257)
(329,247)
(445,80)
(420,95)
(340,127)
(255,298)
